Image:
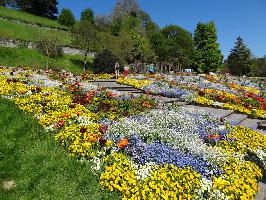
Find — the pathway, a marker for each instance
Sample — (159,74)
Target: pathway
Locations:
(229,115)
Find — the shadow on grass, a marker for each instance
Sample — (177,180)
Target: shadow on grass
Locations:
(33,166)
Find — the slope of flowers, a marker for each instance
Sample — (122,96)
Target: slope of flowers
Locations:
(244,96)
(137,148)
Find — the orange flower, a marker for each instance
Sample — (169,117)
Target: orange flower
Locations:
(72,89)
(146,104)
(109,94)
(214,136)
(123,143)
(93,139)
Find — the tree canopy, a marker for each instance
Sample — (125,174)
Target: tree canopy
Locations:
(66,18)
(239,61)
(87,15)
(208,55)
(46,8)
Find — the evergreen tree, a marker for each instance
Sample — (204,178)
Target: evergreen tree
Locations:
(240,60)
(208,56)
(46,8)
(66,18)
(88,15)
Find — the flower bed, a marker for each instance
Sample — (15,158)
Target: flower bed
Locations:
(243,96)
(139,149)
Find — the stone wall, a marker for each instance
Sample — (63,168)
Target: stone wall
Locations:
(31,45)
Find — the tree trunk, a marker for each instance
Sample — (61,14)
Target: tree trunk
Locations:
(47,62)
(85,60)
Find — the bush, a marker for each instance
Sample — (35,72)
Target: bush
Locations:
(66,18)
(49,46)
(104,62)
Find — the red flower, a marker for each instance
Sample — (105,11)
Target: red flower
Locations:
(61,123)
(260,99)
(83,130)
(102,141)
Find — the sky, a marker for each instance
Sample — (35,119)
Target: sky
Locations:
(233,18)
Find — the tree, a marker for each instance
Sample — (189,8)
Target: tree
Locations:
(126,7)
(66,18)
(104,62)
(141,50)
(261,66)
(103,23)
(239,61)
(85,37)
(208,56)
(3,2)
(147,24)
(46,8)
(179,47)
(158,43)
(49,45)
(87,15)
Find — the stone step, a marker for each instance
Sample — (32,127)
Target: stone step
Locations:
(131,91)
(110,85)
(128,88)
(180,103)
(252,124)
(220,113)
(161,98)
(261,195)
(103,80)
(235,119)
(165,99)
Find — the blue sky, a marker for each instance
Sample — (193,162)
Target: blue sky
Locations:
(233,18)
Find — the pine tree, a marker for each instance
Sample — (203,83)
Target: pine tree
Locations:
(87,15)
(240,60)
(208,55)
(66,17)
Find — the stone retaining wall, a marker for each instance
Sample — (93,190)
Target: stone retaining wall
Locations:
(31,45)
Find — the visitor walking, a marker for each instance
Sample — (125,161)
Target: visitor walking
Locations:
(117,70)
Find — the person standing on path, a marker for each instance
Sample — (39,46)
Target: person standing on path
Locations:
(151,69)
(117,70)
(126,68)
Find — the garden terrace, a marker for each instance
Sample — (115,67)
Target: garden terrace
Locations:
(138,147)
(245,96)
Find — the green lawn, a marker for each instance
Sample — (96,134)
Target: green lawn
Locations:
(37,165)
(27,57)
(13,30)
(28,18)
